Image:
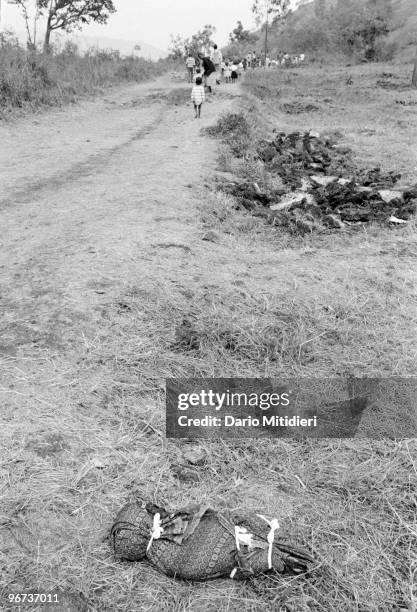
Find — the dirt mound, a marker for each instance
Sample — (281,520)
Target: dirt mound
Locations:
(322,186)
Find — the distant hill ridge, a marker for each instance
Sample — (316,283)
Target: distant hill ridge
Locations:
(126,47)
(84,42)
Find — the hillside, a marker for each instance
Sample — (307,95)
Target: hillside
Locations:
(403,27)
(404,23)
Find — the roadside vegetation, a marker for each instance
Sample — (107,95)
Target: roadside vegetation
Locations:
(30,79)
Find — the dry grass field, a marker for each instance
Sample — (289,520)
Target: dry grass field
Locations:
(102,264)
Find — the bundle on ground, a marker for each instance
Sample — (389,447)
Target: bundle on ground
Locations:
(198,543)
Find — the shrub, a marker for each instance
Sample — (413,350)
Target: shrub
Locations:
(235,130)
(230,124)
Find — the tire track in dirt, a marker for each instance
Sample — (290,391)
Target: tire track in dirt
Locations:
(93,164)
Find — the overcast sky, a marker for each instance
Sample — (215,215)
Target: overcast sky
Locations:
(153,21)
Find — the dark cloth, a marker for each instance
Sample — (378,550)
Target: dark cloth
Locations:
(208,66)
(234,75)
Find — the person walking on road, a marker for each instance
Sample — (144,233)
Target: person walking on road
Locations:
(217,59)
(208,70)
(234,74)
(198,96)
(190,64)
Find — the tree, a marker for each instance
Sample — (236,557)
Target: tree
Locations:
(360,24)
(68,15)
(201,41)
(240,35)
(269,11)
(414,77)
(198,43)
(30,21)
(177,47)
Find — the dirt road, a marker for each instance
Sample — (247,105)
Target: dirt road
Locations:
(86,193)
(90,197)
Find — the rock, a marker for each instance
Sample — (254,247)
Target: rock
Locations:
(334,221)
(410,193)
(323,180)
(211,236)
(377,179)
(305,184)
(388,195)
(257,189)
(342,149)
(196,455)
(393,219)
(185,474)
(305,226)
(296,197)
(268,153)
(229,177)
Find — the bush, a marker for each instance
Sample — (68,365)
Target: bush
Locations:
(235,130)
(230,124)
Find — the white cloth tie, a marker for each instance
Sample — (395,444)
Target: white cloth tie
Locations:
(157,530)
(243,537)
(274,525)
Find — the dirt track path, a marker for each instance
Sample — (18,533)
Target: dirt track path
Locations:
(86,193)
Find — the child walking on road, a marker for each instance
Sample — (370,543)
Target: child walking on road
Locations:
(198,96)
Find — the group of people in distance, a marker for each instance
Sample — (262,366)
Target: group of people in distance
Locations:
(207,69)
(213,68)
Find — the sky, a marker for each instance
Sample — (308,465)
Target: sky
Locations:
(153,21)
